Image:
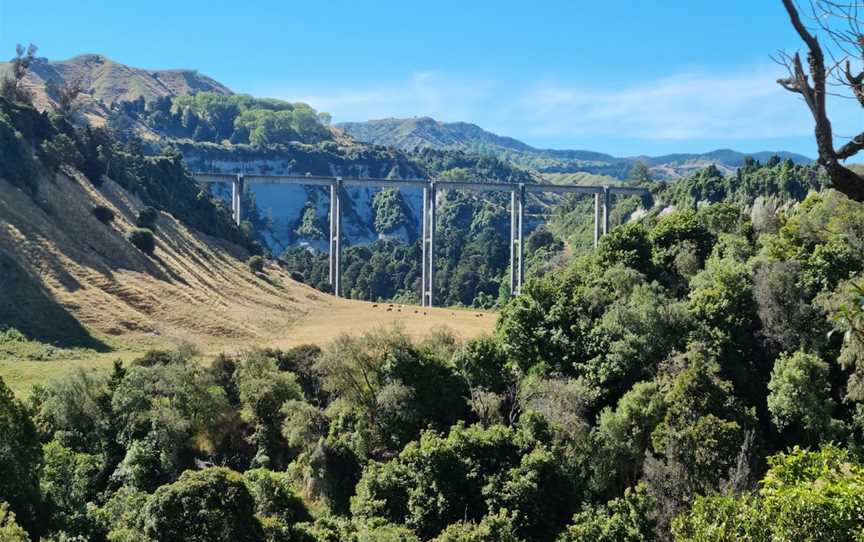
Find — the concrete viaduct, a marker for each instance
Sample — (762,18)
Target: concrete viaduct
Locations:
(429,187)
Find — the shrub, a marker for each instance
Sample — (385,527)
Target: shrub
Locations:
(20,461)
(212,505)
(103,214)
(143,240)
(147,218)
(256,264)
(10,531)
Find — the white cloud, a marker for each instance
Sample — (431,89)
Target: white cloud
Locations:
(685,106)
(695,105)
(426,93)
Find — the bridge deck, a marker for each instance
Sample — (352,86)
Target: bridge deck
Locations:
(492,186)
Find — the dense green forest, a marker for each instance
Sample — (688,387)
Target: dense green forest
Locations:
(473,257)
(695,378)
(236,118)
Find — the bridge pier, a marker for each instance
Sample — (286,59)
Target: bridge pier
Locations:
(602,196)
(428,274)
(336,236)
(517,250)
(596,219)
(606,210)
(236,191)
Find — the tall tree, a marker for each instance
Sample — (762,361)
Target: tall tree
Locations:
(11,87)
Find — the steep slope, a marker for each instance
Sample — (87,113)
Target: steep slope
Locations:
(425,132)
(74,280)
(194,287)
(106,82)
(71,280)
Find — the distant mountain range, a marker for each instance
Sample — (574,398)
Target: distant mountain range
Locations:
(424,132)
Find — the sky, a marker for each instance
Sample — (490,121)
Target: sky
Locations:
(626,77)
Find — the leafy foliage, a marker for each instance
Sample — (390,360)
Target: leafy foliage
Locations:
(143,240)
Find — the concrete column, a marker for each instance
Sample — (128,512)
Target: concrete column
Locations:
(596,218)
(236,191)
(332,237)
(517,241)
(606,210)
(430,272)
(521,239)
(424,213)
(514,226)
(337,240)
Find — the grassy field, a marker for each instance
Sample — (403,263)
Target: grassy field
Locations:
(24,364)
(87,297)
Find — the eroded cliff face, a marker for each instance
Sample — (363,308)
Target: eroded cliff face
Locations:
(278,211)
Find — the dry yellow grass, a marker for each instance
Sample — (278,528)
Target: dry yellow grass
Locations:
(194,289)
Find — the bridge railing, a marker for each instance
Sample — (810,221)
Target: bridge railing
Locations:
(429,187)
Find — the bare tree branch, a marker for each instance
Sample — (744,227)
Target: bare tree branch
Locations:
(811,84)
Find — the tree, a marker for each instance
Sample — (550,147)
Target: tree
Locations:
(699,440)
(213,505)
(806,496)
(626,519)
(640,173)
(811,83)
(470,473)
(623,436)
(142,239)
(255,264)
(20,460)
(163,414)
(264,389)
(147,218)
(10,531)
(800,397)
(70,481)
(12,87)
(492,528)
(66,95)
(392,389)
(275,501)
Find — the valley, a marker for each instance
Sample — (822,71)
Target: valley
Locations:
(214,327)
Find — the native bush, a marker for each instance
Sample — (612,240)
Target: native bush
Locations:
(142,239)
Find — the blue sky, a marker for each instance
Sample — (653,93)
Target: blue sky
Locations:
(619,76)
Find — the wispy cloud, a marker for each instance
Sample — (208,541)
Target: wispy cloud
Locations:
(425,93)
(743,105)
(685,106)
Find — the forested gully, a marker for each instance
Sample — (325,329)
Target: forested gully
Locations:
(697,377)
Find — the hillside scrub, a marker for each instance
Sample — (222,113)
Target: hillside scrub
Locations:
(143,240)
(30,140)
(667,386)
(103,214)
(238,118)
(255,264)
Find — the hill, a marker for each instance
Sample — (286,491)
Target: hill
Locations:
(75,283)
(108,81)
(105,82)
(425,132)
